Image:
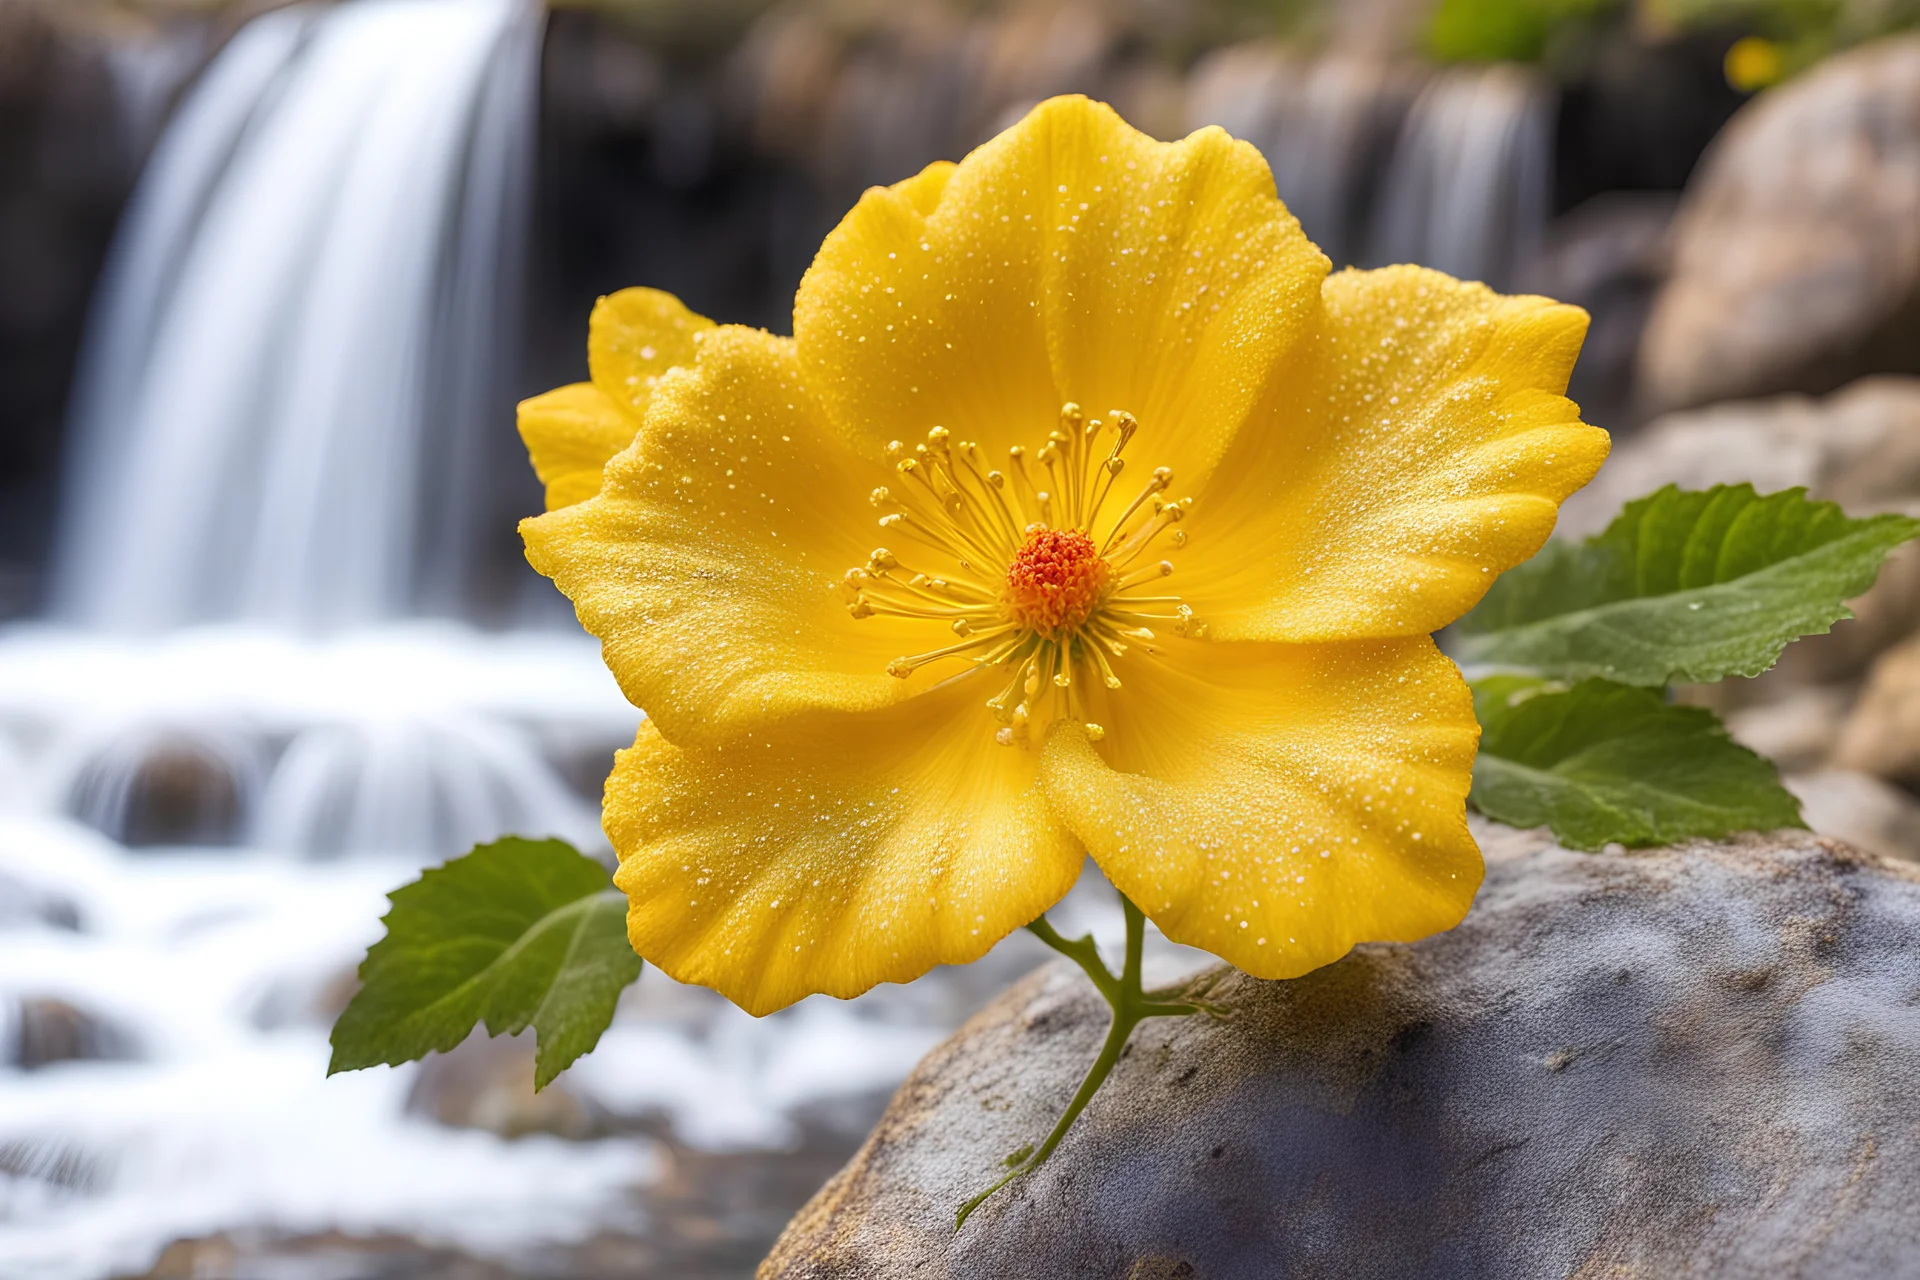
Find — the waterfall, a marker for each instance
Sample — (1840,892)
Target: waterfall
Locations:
(282,406)
(1468,187)
(293,391)
(1385,162)
(1324,124)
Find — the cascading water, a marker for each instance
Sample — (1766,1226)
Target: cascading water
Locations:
(310,284)
(1467,189)
(1387,162)
(1324,125)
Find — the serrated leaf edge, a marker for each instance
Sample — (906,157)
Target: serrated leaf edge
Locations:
(1470,646)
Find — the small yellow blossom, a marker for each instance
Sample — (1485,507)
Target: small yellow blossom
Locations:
(1083,513)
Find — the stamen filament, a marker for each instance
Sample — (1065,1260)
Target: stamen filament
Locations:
(1068,606)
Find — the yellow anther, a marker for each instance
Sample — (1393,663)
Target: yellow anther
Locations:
(1028,588)
(1094,732)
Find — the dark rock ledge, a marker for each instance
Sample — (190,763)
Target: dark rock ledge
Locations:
(1701,1061)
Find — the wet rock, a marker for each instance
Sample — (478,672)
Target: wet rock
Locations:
(1797,254)
(1692,1061)
(66,164)
(44,1030)
(1859,447)
(487,1083)
(156,786)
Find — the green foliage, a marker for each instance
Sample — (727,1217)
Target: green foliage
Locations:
(1830,23)
(1601,762)
(1504,30)
(517,933)
(1687,586)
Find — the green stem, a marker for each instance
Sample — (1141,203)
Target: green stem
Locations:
(1130,1008)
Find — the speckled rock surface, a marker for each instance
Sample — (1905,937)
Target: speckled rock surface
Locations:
(1701,1061)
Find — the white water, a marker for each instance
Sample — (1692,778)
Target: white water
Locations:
(1384,162)
(305,301)
(211,967)
(1467,188)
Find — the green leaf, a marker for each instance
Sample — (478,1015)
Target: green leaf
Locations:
(1603,762)
(517,933)
(1689,586)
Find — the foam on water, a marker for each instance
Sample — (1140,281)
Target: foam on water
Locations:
(305,323)
(220,1122)
(212,965)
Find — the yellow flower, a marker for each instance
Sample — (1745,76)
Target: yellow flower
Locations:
(1083,513)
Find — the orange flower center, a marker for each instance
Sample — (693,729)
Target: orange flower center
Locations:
(1056,581)
(1080,591)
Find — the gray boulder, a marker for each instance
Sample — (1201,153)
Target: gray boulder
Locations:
(1699,1061)
(1796,257)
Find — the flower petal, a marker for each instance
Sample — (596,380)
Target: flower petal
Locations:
(1417,446)
(833,852)
(1071,258)
(633,338)
(709,563)
(1279,803)
(570,432)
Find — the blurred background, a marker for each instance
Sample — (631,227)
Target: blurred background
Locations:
(271,278)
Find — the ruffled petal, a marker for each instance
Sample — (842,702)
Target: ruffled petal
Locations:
(633,338)
(1072,258)
(709,563)
(1278,804)
(833,852)
(570,432)
(1417,445)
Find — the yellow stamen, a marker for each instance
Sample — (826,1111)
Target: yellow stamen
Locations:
(1038,594)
